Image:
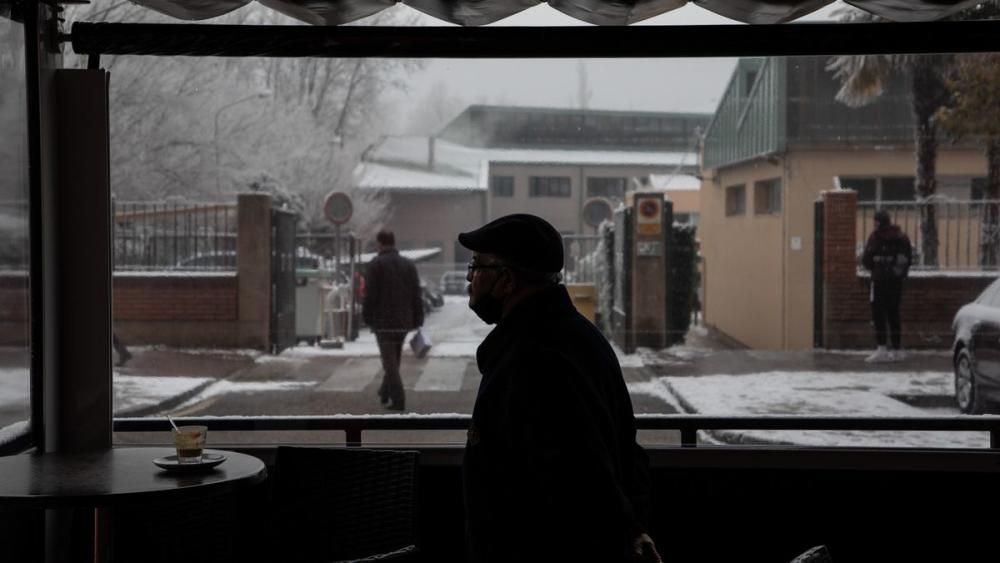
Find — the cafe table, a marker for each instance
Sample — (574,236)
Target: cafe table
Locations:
(102,479)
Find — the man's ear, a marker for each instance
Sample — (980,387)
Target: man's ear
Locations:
(509,284)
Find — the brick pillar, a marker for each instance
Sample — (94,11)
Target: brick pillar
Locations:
(845,297)
(253,266)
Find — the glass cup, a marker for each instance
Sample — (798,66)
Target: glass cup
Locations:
(190,441)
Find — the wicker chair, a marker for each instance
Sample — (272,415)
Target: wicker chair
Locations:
(818,554)
(344,504)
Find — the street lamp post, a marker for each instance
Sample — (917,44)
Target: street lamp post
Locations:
(218,113)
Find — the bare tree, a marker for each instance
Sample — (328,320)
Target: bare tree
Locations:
(206,128)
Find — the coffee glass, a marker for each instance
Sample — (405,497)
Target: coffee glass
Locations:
(190,441)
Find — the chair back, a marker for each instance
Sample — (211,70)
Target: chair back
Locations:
(336,504)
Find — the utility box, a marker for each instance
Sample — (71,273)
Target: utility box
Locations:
(584,297)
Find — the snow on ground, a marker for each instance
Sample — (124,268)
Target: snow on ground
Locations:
(816,393)
(132,392)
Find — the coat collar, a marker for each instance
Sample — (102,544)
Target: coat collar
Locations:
(524,318)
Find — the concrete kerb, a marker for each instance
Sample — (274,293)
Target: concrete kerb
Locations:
(167,403)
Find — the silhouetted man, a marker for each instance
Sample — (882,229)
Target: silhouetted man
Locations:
(392,307)
(552,470)
(887,256)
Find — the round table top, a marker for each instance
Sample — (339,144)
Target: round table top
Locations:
(114,476)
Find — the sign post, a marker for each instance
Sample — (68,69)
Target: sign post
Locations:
(338,208)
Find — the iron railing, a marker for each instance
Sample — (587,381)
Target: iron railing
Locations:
(174,236)
(584,258)
(966,239)
(687,425)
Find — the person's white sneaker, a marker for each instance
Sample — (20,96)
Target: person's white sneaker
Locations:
(898,355)
(880,355)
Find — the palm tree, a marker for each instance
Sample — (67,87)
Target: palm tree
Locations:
(862,79)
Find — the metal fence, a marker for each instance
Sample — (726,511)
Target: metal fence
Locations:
(584,258)
(966,239)
(174,236)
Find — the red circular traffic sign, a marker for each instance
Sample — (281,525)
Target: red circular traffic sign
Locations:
(337,208)
(649,208)
(596,211)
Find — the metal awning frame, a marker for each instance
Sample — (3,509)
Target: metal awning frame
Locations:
(202,40)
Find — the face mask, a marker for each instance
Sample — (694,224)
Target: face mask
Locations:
(487,307)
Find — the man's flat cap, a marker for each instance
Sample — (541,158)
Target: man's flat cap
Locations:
(526,240)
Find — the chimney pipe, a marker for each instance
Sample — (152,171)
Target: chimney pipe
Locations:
(430,153)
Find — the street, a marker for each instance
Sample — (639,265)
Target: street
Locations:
(701,376)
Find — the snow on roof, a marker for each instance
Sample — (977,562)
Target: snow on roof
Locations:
(373,175)
(674,182)
(396,162)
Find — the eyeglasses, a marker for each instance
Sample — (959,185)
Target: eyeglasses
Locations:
(472,267)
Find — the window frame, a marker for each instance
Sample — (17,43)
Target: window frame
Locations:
(730,210)
(771,202)
(502,186)
(550,187)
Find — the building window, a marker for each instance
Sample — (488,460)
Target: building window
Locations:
(549,186)
(898,188)
(767,197)
(502,186)
(736,200)
(881,188)
(606,187)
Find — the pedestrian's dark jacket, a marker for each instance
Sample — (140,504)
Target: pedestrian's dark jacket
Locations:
(888,254)
(552,469)
(392,294)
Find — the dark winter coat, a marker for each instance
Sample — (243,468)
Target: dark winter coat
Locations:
(393,300)
(552,469)
(888,254)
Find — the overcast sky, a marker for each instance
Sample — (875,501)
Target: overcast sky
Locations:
(689,85)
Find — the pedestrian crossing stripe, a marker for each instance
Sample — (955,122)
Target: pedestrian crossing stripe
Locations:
(434,374)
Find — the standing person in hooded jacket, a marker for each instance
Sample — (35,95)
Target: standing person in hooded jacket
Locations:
(887,256)
(392,307)
(552,471)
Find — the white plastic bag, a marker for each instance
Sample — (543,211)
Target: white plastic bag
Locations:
(420,344)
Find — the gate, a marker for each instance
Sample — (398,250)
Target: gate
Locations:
(621,304)
(330,286)
(282,280)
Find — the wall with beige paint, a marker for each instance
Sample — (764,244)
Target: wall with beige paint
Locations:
(758,288)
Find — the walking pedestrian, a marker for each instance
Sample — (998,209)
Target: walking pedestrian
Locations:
(887,256)
(392,307)
(552,470)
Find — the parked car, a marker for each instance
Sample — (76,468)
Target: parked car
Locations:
(976,352)
(432,297)
(453,283)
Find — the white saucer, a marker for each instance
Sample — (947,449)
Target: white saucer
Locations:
(209,459)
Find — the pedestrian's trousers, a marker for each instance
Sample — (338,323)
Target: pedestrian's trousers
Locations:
(390,348)
(885,298)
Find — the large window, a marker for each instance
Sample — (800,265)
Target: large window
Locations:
(549,186)
(230,126)
(15,401)
(881,188)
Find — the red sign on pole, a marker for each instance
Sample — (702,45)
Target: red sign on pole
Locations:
(337,208)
